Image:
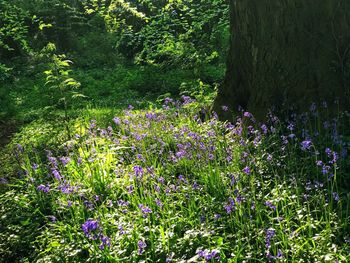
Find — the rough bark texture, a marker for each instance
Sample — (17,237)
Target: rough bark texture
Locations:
(286,52)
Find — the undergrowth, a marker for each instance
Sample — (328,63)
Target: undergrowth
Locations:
(173,185)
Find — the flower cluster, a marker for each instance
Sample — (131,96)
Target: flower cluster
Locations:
(167,180)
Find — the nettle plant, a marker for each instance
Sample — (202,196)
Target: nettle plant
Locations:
(62,85)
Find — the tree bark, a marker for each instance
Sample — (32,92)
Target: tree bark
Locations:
(286,52)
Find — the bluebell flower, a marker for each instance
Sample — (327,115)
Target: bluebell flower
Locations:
(65,160)
(90,227)
(145,210)
(224,108)
(270,205)
(306,145)
(52,218)
(56,174)
(335,196)
(3,180)
(159,203)
(319,163)
(141,246)
(130,189)
(209,255)
(20,148)
(246,170)
(328,152)
(138,171)
(123,203)
(43,188)
(230,206)
(35,166)
(270,233)
(106,242)
(269,157)
(264,128)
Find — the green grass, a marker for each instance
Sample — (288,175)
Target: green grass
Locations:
(159,183)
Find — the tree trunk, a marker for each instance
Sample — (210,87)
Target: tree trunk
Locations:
(286,52)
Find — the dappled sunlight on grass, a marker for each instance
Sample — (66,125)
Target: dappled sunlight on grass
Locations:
(166,185)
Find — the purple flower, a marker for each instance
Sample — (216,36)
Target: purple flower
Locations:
(106,241)
(53,161)
(270,205)
(182,179)
(140,157)
(52,218)
(230,206)
(279,254)
(130,189)
(224,108)
(43,188)
(247,114)
(335,196)
(159,203)
(20,148)
(145,210)
(211,156)
(181,154)
(170,257)
(56,174)
(264,128)
(123,203)
(306,145)
(195,186)
(319,163)
(233,180)
(90,227)
(138,171)
(66,188)
(269,157)
(186,99)
(168,101)
(161,180)
(246,170)
(92,124)
(270,233)
(65,160)
(335,158)
(209,255)
(292,136)
(151,115)
(88,205)
(117,121)
(141,245)
(290,127)
(121,230)
(217,216)
(35,166)
(3,180)
(325,169)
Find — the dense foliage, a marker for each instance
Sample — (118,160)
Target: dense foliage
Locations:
(142,47)
(162,185)
(110,152)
